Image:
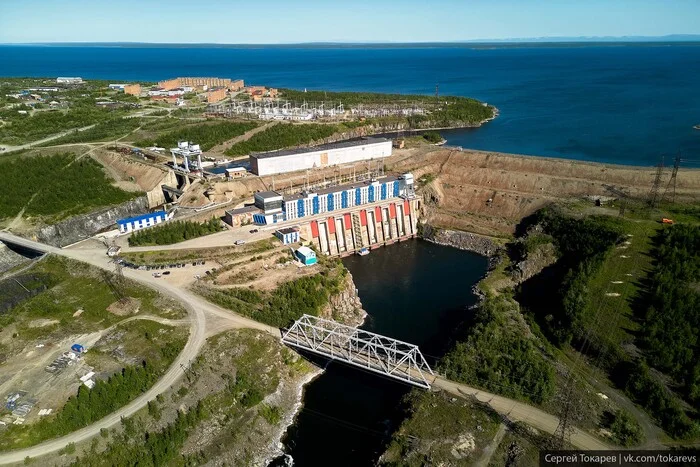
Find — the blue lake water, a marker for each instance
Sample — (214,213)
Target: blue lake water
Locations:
(616,104)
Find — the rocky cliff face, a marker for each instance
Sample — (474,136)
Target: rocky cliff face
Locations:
(79,227)
(462,240)
(9,259)
(345,307)
(545,255)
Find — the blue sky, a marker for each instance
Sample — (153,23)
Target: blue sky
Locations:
(289,21)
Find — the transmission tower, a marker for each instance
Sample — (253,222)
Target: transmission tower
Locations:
(654,193)
(672,181)
(115,282)
(567,416)
(437,94)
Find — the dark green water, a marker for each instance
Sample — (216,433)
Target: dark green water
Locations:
(413,291)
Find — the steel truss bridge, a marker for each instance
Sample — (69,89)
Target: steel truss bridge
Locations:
(364,349)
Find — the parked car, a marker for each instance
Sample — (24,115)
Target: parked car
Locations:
(165,273)
(239,242)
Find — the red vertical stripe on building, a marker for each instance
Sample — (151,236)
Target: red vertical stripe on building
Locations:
(378,214)
(348,222)
(363,218)
(392,211)
(331,225)
(406,207)
(314,229)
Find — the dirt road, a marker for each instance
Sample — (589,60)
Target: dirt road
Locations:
(521,412)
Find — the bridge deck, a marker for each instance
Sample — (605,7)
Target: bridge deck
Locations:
(380,354)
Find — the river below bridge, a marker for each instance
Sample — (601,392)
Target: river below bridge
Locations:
(414,291)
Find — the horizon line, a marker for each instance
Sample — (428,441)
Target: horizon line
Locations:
(514,40)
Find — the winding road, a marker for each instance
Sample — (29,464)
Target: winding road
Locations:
(207,319)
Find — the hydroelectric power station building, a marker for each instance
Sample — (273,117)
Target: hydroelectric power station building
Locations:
(272,207)
(342,152)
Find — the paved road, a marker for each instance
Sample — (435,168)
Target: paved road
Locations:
(207,319)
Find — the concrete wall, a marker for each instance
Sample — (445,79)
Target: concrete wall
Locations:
(155,196)
(380,230)
(80,227)
(322,158)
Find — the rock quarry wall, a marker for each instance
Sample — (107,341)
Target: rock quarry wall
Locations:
(79,227)
(463,240)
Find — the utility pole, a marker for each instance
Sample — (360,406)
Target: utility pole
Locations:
(437,94)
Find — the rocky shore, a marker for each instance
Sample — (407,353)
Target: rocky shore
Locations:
(480,244)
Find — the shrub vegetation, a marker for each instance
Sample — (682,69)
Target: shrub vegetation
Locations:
(287,303)
(432,137)
(174,232)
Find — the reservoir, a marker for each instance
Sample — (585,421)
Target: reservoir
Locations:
(414,291)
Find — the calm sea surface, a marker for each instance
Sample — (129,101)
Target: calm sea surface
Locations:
(617,104)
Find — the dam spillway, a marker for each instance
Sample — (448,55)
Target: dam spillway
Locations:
(346,232)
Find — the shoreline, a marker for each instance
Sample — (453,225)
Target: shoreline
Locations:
(275,447)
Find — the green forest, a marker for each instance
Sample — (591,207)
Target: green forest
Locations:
(174,232)
(671,309)
(494,355)
(207,135)
(283,135)
(56,185)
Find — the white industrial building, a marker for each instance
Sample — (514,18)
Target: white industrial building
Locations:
(69,80)
(131,224)
(343,152)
